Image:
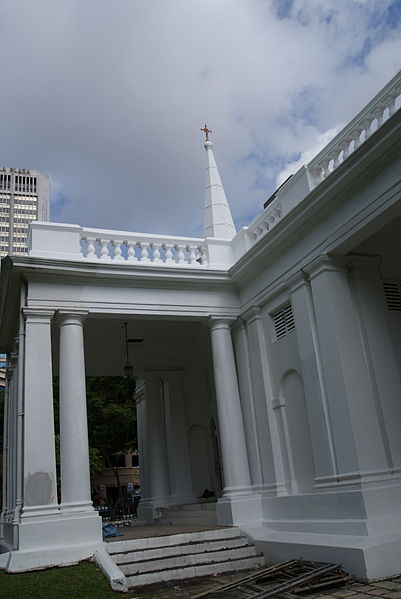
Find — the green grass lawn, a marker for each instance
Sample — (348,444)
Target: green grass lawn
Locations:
(84,581)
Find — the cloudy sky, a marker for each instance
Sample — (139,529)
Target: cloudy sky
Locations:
(108,96)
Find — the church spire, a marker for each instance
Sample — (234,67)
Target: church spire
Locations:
(218,221)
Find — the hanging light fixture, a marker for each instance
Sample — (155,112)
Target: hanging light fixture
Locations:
(128,368)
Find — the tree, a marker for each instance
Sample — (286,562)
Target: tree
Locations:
(111,424)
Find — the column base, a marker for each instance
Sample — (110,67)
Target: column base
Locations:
(53,541)
(77,506)
(366,558)
(239,509)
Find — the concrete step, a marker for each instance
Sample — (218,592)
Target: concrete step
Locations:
(193,572)
(183,556)
(169,540)
(183,561)
(174,550)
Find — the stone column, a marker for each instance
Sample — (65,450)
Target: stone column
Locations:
(40,491)
(232,437)
(156,440)
(75,478)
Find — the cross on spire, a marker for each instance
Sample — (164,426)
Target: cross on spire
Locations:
(206,132)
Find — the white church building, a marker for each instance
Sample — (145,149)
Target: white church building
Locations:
(271,363)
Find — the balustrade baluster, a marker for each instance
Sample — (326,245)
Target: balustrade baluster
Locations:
(104,253)
(192,254)
(131,251)
(357,137)
(144,252)
(156,253)
(91,255)
(379,114)
(277,213)
(390,100)
(180,254)
(367,126)
(345,146)
(117,250)
(336,157)
(325,167)
(169,253)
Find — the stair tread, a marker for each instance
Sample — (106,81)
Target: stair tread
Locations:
(182,561)
(183,549)
(169,540)
(194,571)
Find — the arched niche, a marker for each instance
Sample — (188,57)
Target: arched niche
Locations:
(296,431)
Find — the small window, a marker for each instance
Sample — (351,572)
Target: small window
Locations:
(283,321)
(135,460)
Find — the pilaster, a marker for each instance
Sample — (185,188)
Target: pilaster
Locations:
(156,439)
(274,478)
(177,439)
(357,437)
(324,450)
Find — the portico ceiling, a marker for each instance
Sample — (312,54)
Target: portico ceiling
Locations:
(168,344)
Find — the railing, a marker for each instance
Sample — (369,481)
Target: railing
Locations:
(379,109)
(265,221)
(140,248)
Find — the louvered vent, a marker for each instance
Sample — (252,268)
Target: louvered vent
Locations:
(283,321)
(392,291)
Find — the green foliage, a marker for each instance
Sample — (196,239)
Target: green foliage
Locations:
(111,424)
(111,415)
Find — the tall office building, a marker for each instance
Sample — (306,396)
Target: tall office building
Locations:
(24,196)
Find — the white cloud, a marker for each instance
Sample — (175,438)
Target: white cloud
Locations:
(322,139)
(108,98)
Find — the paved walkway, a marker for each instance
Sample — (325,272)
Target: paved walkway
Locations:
(388,589)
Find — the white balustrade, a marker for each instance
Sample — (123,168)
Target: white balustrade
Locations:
(266,221)
(135,248)
(357,131)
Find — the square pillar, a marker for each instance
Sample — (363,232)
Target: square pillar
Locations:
(324,449)
(357,435)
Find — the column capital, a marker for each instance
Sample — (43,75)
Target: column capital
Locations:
(299,279)
(77,317)
(253,313)
(39,315)
(326,263)
(220,322)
